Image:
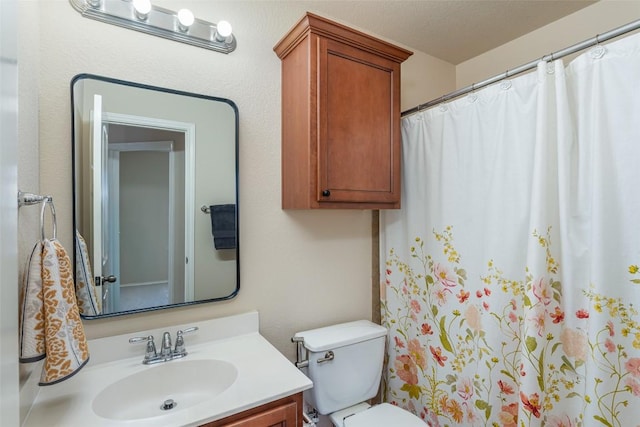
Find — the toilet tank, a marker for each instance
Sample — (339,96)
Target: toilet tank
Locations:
(353,373)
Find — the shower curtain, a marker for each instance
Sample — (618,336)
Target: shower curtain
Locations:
(511,275)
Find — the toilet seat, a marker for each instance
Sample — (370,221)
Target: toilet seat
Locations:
(382,415)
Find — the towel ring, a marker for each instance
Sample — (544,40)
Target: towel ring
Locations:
(48,200)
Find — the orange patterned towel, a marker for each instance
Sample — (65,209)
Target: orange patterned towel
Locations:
(89,302)
(50,325)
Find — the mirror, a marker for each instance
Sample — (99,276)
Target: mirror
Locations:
(155,192)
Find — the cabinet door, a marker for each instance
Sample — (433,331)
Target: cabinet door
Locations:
(280,416)
(359,135)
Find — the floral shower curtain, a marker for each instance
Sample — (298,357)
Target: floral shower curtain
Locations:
(511,274)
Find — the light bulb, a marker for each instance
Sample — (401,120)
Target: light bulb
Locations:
(186,18)
(223,29)
(142,8)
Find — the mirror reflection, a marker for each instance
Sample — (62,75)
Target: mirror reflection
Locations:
(155,197)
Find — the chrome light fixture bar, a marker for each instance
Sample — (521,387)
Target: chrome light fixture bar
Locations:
(141,15)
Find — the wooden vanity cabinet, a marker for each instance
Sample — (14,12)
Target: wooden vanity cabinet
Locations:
(340,117)
(286,412)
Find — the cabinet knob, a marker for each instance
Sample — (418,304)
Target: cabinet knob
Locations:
(326,193)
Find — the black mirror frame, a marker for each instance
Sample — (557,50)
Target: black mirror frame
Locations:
(237,165)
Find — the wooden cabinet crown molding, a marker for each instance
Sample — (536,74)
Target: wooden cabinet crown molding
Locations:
(323,27)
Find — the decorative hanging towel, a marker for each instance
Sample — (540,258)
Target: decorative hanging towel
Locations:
(89,303)
(50,325)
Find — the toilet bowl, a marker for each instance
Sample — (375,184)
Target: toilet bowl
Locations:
(344,362)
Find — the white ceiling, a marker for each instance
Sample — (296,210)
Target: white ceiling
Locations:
(452,30)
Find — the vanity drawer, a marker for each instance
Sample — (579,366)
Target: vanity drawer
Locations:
(286,412)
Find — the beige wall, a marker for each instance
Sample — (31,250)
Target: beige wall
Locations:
(300,269)
(425,78)
(582,25)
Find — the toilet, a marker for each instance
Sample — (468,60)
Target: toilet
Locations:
(344,362)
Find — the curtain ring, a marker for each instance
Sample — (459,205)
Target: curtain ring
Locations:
(442,107)
(48,200)
(598,51)
(472,97)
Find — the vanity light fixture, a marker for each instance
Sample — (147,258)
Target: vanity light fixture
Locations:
(141,15)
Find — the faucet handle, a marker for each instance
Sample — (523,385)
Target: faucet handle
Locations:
(151,346)
(179,349)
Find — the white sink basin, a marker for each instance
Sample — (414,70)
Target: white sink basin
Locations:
(143,394)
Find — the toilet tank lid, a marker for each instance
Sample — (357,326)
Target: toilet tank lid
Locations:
(330,337)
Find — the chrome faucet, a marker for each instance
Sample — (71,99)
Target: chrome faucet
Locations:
(151,355)
(165,350)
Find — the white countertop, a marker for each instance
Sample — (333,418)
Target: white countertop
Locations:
(264,375)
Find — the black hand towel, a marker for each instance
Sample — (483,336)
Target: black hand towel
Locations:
(223,226)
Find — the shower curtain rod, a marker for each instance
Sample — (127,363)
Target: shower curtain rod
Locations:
(529,65)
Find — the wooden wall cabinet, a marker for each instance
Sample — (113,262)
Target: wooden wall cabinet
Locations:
(340,117)
(285,412)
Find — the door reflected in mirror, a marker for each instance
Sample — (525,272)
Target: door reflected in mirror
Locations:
(155,185)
